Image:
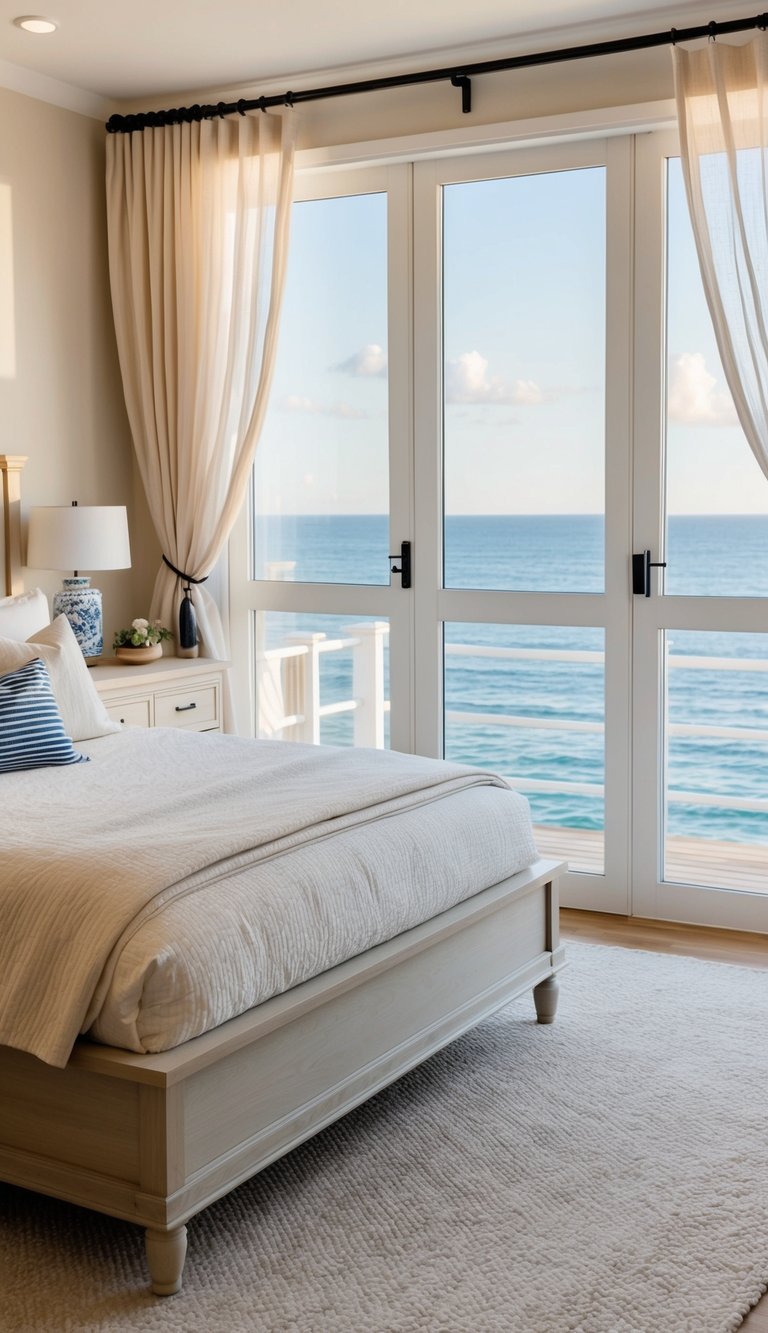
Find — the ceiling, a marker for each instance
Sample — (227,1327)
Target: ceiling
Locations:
(147,48)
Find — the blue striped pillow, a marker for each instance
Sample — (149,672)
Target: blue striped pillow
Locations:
(32,733)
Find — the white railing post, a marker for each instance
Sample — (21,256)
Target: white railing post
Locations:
(368,681)
(302,686)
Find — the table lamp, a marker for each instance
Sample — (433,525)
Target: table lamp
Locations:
(79,537)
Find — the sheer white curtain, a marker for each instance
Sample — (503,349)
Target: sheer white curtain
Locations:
(198,221)
(721,95)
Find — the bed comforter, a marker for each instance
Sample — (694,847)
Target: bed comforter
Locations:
(165,827)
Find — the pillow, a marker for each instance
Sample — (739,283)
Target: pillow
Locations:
(32,733)
(82,711)
(23,615)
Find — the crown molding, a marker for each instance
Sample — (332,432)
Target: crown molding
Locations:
(19,79)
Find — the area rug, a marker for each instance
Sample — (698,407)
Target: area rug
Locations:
(608,1174)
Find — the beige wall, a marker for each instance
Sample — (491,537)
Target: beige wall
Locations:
(60,394)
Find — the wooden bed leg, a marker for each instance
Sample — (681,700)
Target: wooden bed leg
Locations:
(166,1252)
(545,997)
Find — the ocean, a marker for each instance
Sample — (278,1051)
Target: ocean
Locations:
(707,556)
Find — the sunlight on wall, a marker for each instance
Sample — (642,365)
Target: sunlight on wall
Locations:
(7,328)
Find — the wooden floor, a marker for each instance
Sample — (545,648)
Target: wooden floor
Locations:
(726,865)
(725,946)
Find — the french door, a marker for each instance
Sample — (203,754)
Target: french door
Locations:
(522,293)
(490,370)
(324,625)
(700,638)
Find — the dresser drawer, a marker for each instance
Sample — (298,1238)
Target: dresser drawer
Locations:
(133,712)
(196,708)
(169,692)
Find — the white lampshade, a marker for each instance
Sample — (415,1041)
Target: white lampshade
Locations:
(78,537)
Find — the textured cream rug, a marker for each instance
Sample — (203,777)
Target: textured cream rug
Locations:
(608,1174)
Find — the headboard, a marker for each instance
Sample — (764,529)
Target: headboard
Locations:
(10,473)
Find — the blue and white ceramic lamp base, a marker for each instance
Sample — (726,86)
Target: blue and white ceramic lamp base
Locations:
(81,604)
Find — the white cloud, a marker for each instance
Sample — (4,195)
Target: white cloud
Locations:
(369,362)
(344,411)
(467,381)
(692,396)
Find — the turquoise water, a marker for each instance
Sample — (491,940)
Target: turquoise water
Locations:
(716,556)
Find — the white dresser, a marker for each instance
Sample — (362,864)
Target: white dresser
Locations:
(171,692)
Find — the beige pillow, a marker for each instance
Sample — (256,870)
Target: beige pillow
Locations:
(82,711)
(24,614)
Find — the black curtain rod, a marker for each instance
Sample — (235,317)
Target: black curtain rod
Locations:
(458,75)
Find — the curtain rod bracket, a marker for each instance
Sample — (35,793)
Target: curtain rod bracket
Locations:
(464,82)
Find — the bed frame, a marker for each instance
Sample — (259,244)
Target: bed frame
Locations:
(153,1139)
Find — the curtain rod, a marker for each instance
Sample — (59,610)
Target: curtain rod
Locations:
(458,75)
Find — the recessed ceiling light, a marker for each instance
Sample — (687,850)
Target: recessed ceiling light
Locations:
(33,23)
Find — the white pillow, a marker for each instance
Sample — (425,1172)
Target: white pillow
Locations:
(82,711)
(24,614)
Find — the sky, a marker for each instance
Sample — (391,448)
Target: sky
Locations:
(524,357)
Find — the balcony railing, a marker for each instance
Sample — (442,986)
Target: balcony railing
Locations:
(288,685)
(290,706)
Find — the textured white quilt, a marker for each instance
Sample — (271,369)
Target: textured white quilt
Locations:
(175,859)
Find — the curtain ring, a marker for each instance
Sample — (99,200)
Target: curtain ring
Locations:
(241,106)
(288,99)
(220,107)
(762,22)
(263,104)
(712,27)
(673,36)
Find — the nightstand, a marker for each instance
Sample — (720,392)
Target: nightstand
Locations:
(171,692)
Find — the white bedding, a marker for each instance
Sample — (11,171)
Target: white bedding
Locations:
(179,879)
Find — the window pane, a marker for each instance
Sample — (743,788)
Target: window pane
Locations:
(524,382)
(716,495)
(322,679)
(527,702)
(321,479)
(716,760)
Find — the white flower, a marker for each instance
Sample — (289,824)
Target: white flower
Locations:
(141,625)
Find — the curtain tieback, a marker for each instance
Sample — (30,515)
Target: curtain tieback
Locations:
(187,636)
(186,577)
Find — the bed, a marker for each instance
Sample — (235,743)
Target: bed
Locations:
(390,902)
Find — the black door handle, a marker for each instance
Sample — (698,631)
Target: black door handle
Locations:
(404,569)
(641,572)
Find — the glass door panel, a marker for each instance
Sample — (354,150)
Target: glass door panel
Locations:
(528,702)
(321,479)
(716,811)
(524,262)
(716,494)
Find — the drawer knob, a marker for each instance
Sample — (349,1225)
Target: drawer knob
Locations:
(184,708)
